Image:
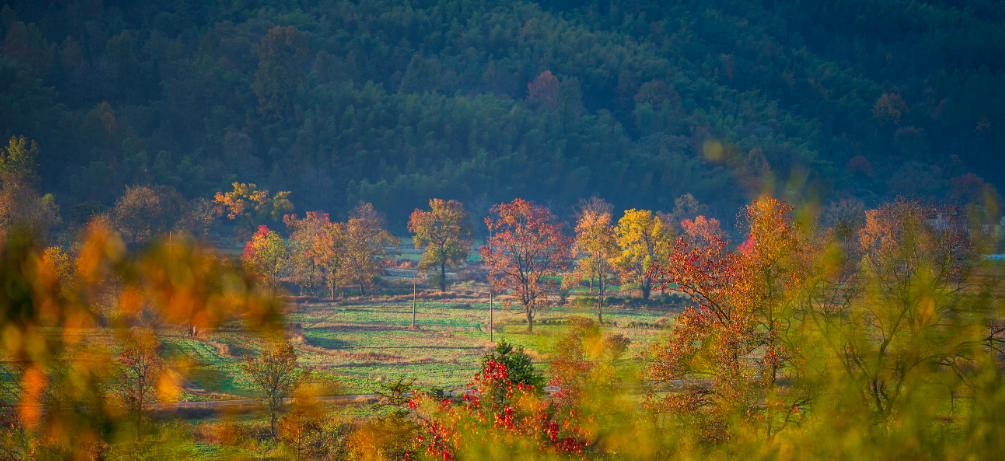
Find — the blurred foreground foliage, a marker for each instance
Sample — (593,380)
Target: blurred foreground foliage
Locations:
(59,386)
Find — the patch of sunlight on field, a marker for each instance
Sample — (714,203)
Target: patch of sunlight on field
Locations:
(369,342)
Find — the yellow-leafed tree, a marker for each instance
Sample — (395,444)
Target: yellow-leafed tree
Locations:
(644,240)
(596,250)
(255,206)
(445,233)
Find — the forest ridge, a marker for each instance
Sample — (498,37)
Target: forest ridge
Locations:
(395,103)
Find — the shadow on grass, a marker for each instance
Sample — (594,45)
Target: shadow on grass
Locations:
(325,343)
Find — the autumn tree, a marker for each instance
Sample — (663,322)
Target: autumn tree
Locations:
(774,259)
(727,350)
(198,218)
(702,230)
(917,272)
(519,365)
(328,249)
(707,342)
(140,368)
(62,267)
(544,89)
(17,160)
(643,239)
(20,202)
(253,206)
(366,246)
(145,212)
(527,252)
(500,415)
(596,249)
(276,375)
(21,205)
(280,72)
(445,232)
(888,109)
(686,207)
(303,264)
(265,255)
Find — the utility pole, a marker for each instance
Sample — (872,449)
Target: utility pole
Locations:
(413,300)
(491,326)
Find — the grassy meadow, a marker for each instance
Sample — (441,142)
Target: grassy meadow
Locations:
(359,342)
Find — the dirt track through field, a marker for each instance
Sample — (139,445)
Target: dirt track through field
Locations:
(351,399)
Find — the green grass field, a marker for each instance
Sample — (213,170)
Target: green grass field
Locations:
(359,344)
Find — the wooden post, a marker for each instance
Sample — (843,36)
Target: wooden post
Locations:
(413,300)
(491,329)
(491,326)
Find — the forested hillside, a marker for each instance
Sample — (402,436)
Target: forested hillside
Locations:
(395,102)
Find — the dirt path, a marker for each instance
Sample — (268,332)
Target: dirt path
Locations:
(350,399)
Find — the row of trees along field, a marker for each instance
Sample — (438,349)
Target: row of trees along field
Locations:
(878,335)
(394,104)
(529,253)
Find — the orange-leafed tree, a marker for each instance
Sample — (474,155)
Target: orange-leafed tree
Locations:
(596,249)
(445,232)
(707,343)
(303,265)
(644,239)
(702,230)
(527,252)
(254,206)
(773,258)
(328,250)
(365,246)
(888,109)
(728,348)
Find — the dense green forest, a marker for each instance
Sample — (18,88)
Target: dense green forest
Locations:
(395,102)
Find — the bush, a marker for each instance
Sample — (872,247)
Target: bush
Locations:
(584,301)
(518,364)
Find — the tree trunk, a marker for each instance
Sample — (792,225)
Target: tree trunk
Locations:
(443,277)
(530,319)
(647,287)
(600,304)
(361,289)
(275,433)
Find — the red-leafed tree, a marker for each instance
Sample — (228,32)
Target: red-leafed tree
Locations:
(265,255)
(544,89)
(740,325)
(527,252)
(509,415)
